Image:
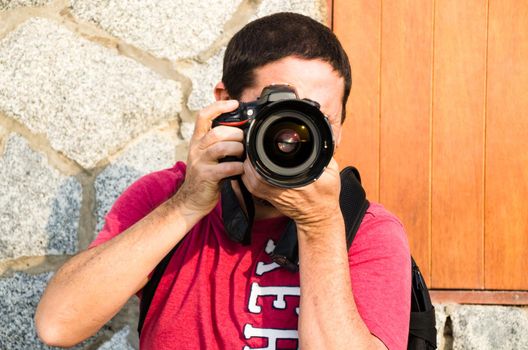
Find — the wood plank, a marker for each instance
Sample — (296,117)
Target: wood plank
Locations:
(480,297)
(357,25)
(506,248)
(457,222)
(406,85)
(330,13)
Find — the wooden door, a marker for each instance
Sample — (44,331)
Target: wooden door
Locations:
(437,123)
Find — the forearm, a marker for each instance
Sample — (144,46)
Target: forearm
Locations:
(92,286)
(328,316)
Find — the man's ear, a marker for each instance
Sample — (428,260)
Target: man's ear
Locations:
(220,92)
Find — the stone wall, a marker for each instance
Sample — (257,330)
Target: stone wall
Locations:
(93,95)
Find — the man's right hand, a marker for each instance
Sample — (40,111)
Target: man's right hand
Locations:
(200,191)
(90,288)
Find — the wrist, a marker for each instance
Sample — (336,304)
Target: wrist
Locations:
(182,206)
(321,219)
(324,241)
(322,226)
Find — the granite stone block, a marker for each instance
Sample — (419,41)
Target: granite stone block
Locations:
(88,100)
(119,341)
(489,327)
(204,77)
(165,28)
(440,318)
(39,207)
(20,295)
(12,4)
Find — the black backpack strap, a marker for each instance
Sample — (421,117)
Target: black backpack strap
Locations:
(353,202)
(422,326)
(421,334)
(148,291)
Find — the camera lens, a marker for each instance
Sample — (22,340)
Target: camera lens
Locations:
(290,143)
(285,143)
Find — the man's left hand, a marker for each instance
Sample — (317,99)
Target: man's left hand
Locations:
(310,205)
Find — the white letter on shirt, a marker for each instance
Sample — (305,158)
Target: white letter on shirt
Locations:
(262,268)
(279,292)
(272,334)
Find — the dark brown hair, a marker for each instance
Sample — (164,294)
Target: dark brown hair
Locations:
(277,36)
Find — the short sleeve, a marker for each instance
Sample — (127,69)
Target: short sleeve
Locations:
(380,269)
(138,200)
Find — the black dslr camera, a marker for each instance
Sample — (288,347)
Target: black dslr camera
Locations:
(288,140)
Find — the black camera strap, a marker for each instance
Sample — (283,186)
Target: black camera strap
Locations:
(237,223)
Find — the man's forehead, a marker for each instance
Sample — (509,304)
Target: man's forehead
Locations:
(313,79)
(307,73)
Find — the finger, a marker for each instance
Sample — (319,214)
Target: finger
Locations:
(221,171)
(206,115)
(221,133)
(223,149)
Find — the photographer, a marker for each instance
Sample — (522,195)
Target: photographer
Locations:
(217,293)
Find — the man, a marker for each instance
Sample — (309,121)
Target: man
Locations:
(220,294)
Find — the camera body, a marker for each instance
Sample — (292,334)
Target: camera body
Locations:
(288,140)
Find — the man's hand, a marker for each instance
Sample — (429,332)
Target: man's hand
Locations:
(91,288)
(313,204)
(200,190)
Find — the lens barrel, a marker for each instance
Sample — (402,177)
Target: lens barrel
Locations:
(290,143)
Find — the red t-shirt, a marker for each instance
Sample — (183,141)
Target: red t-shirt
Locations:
(217,294)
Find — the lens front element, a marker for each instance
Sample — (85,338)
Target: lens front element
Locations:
(287,143)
